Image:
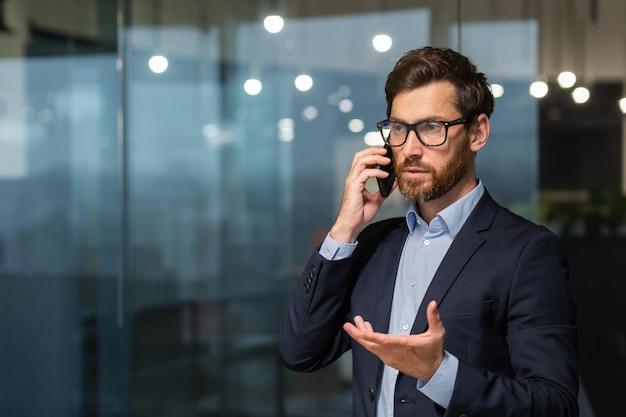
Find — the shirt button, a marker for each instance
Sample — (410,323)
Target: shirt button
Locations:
(426,242)
(405,327)
(413,283)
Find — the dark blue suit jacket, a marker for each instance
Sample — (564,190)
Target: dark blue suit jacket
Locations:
(505,301)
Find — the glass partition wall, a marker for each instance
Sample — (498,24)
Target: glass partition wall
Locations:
(168,166)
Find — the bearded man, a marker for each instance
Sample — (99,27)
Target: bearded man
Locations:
(460,308)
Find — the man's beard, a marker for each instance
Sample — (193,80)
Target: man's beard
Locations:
(441,180)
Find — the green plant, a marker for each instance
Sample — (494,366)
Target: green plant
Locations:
(600,213)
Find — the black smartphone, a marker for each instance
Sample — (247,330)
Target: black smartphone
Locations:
(385,184)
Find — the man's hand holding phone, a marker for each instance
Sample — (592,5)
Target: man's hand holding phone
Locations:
(359,206)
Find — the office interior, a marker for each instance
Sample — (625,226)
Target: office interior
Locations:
(167,166)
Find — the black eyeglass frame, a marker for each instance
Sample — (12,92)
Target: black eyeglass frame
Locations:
(460,121)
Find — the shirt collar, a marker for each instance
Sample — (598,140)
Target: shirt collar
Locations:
(453,216)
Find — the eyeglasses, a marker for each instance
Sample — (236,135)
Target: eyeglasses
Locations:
(429,132)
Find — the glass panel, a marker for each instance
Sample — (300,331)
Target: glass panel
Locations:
(157,211)
(511,65)
(61,320)
(231,189)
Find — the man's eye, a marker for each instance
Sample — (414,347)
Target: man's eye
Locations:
(398,128)
(432,127)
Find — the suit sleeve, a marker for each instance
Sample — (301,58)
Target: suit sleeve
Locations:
(311,332)
(542,343)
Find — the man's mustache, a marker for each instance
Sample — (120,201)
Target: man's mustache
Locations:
(413,164)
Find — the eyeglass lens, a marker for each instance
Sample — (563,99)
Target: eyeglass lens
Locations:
(430,132)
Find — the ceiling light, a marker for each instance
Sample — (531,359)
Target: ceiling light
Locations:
(382,42)
(273,23)
(497,90)
(252,86)
(285,130)
(356,125)
(344,91)
(373,139)
(309,113)
(158,64)
(346,105)
(303,82)
(539,89)
(580,95)
(566,79)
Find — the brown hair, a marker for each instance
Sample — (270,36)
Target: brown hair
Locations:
(420,67)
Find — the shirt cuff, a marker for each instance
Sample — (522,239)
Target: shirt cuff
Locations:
(334,251)
(439,388)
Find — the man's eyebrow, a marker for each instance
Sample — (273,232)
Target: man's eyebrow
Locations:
(426,119)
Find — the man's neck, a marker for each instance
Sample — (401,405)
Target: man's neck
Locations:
(429,209)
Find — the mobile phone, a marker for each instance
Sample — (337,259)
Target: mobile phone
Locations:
(386,184)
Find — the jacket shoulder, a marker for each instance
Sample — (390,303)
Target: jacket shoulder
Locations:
(375,233)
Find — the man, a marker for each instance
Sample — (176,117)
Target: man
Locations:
(460,309)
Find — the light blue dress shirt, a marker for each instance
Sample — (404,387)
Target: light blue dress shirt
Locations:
(423,251)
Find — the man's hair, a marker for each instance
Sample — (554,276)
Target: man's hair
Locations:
(420,67)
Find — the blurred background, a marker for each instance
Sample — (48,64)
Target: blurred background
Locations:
(167,166)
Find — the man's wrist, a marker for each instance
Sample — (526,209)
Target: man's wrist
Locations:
(440,386)
(342,235)
(333,250)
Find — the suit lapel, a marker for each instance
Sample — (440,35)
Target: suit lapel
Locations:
(462,249)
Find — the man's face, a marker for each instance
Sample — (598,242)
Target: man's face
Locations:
(428,173)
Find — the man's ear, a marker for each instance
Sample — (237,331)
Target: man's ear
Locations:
(480,133)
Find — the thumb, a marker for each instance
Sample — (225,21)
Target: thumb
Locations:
(433,317)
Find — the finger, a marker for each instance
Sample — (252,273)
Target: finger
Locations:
(367,154)
(358,322)
(371,172)
(373,150)
(433,317)
(355,331)
(369,158)
(363,325)
(369,340)
(368,327)
(350,328)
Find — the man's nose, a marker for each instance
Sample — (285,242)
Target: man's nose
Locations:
(413,146)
